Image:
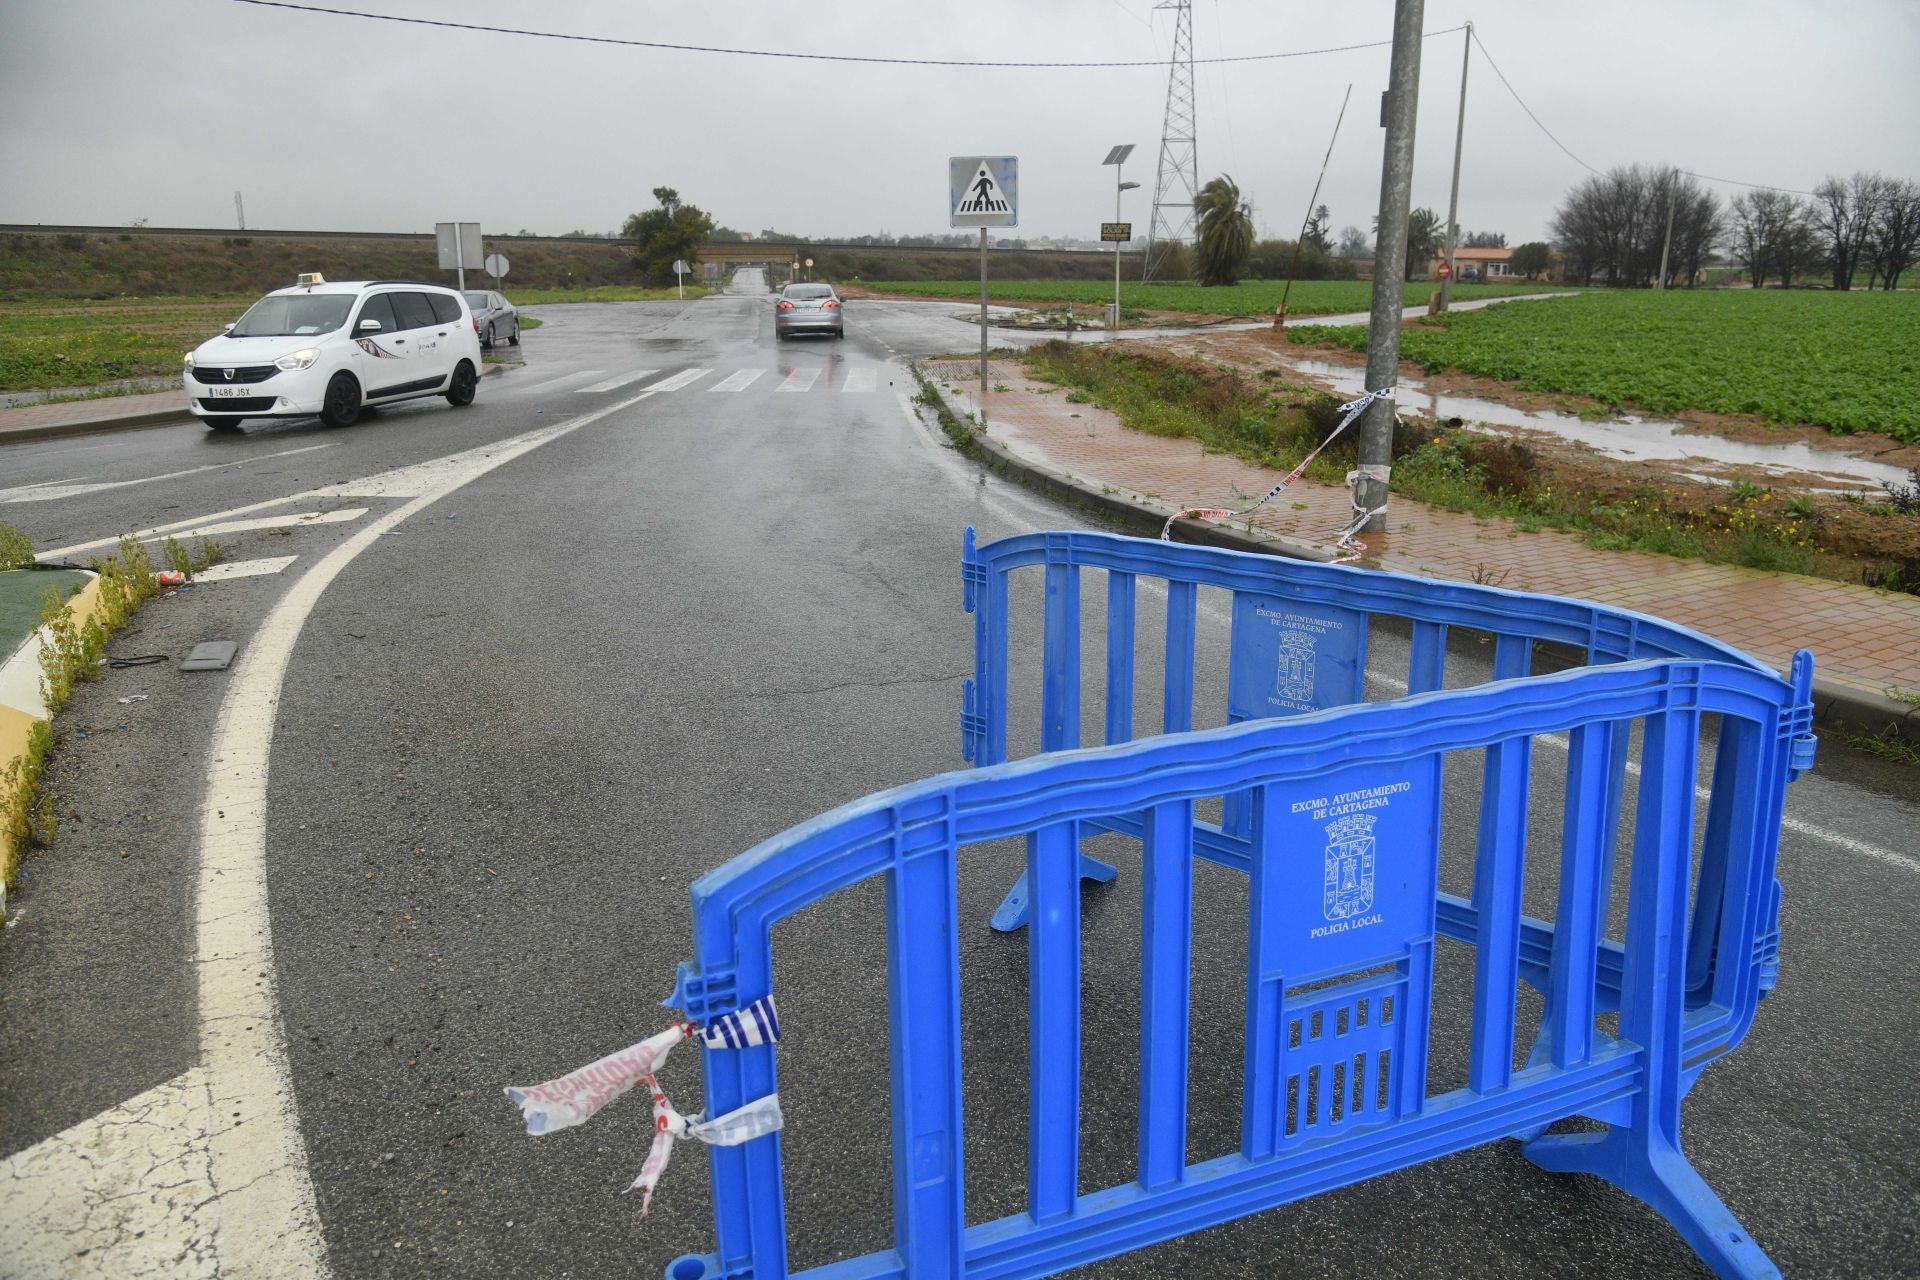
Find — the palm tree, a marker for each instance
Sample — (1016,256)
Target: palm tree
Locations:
(1226,231)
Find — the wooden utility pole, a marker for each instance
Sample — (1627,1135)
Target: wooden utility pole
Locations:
(1453,201)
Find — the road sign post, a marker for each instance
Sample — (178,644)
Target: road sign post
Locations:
(983,191)
(458,244)
(680,277)
(1117,231)
(497,265)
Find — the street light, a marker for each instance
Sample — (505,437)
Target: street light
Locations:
(1117,158)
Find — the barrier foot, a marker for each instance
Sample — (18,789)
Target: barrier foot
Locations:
(1661,1177)
(1011,915)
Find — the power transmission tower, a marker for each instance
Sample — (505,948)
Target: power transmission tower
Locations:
(1179,180)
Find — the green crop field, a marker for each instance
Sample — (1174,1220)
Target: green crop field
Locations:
(84,344)
(1248,298)
(80,344)
(1845,361)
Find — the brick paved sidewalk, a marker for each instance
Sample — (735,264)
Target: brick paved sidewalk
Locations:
(1863,640)
(29,421)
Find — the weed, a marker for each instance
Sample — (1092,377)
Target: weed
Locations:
(999,386)
(1079,397)
(1887,744)
(178,557)
(1483,576)
(16,549)
(28,816)
(1900,694)
(1904,498)
(1746,492)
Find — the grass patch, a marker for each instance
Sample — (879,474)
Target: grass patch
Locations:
(1844,361)
(78,344)
(1275,424)
(1248,298)
(1271,424)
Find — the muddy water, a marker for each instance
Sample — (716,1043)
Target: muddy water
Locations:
(1629,438)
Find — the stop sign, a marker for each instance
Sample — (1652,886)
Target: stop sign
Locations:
(1445,271)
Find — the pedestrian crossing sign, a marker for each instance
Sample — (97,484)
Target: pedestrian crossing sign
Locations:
(983,191)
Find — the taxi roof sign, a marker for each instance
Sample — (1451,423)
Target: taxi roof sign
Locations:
(308,279)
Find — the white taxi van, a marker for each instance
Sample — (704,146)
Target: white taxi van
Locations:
(333,349)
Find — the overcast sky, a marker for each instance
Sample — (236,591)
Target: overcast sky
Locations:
(115,110)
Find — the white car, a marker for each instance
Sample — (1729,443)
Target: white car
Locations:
(334,348)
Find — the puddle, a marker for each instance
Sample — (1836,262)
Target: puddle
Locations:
(1630,439)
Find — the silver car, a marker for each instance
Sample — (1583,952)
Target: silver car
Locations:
(494,317)
(808,308)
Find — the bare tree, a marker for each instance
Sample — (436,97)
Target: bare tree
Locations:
(1895,237)
(1771,233)
(1844,214)
(1354,243)
(1614,225)
(1697,226)
(1485,240)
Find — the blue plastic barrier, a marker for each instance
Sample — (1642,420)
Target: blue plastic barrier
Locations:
(1336,818)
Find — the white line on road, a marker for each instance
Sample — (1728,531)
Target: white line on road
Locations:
(617,381)
(207,1174)
(554,382)
(244,568)
(685,378)
(862,380)
(289,520)
(738,380)
(800,380)
(49,492)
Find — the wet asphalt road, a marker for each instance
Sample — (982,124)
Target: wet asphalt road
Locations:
(513,734)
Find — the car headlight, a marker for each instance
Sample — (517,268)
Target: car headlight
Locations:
(187,359)
(297,360)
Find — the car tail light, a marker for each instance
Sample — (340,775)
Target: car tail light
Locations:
(476,324)
(784,306)
(831,304)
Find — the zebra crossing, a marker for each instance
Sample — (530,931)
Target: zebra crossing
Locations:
(788,380)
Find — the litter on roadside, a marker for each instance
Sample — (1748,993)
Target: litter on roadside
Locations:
(210,655)
(131,698)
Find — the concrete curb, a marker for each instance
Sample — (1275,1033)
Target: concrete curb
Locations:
(128,421)
(1839,701)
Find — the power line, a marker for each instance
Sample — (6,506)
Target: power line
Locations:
(1705,177)
(782,53)
(1529,110)
(1757,186)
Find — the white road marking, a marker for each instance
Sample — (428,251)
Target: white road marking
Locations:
(554,382)
(685,378)
(739,380)
(861,380)
(50,491)
(207,1174)
(617,381)
(800,380)
(289,520)
(244,568)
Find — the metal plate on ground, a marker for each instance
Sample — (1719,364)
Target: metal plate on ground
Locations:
(210,655)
